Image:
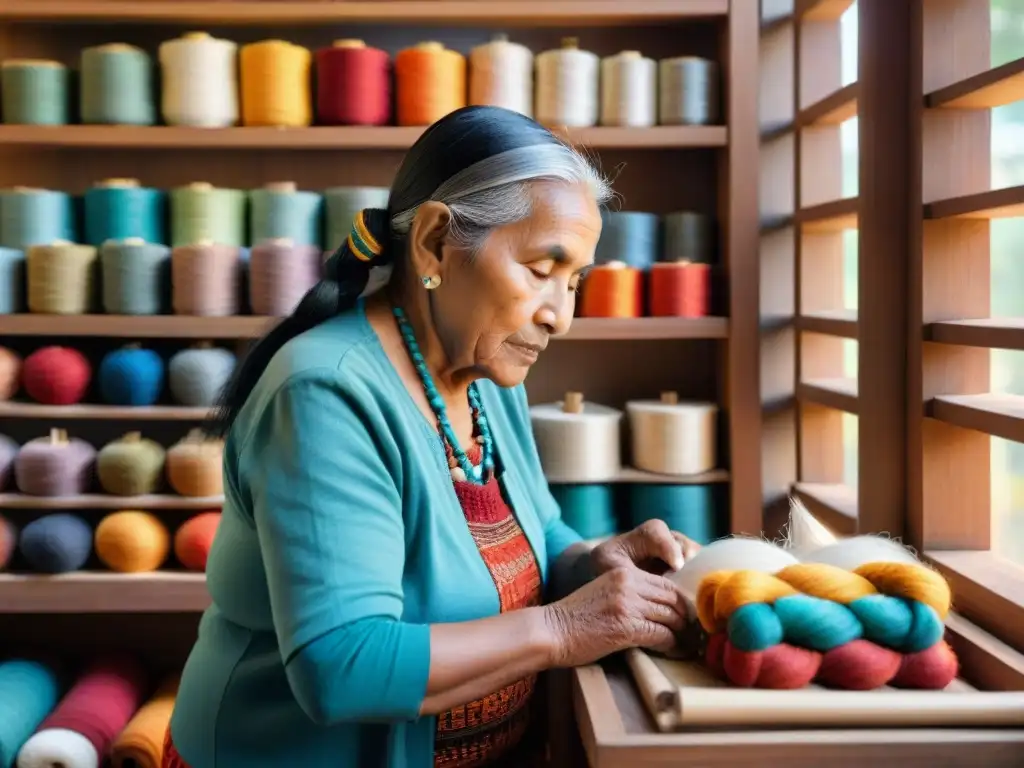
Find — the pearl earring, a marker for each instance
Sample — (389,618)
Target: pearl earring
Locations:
(430,282)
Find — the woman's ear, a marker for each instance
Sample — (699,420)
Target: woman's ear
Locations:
(426,238)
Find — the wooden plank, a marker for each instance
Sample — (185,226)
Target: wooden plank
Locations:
(105,501)
(992,88)
(822,10)
(834,505)
(838,107)
(984,660)
(989,333)
(835,322)
(839,394)
(98,592)
(999,415)
(834,216)
(994,204)
(15,410)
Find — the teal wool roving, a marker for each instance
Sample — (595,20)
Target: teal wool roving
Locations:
(280,211)
(131,376)
(29,691)
(35,217)
(631,237)
(118,209)
(35,92)
(587,509)
(117,86)
(136,277)
(12,281)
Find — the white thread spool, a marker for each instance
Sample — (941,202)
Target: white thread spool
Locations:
(688,91)
(578,442)
(567,86)
(672,438)
(200,81)
(629,90)
(501,75)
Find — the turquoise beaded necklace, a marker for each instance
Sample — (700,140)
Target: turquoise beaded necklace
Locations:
(462,468)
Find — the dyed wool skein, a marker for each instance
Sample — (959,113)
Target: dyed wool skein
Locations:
(54,466)
(58,543)
(280,210)
(131,376)
(200,81)
(194,465)
(501,75)
(430,82)
(29,690)
(578,441)
(117,86)
(193,540)
(205,279)
(342,204)
(35,217)
(567,86)
(280,274)
(132,541)
(62,278)
(276,84)
(198,375)
(81,730)
(34,92)
(673,438)
(201,213)
(589,509)
(136,277)
(612,289)
(688,91)
(12,281)
(693,510)
(130,466)
(10,373)
(120,209)
(629,90)
(8,450)
(56,375)
(353,84)
(141,743)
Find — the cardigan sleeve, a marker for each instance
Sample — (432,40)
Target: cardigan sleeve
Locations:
(328,517)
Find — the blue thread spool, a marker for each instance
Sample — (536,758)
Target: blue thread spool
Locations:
(12,281)
(136,277)
(35,217)
(56,543)
(119,209)
(587,509)
(29,691)
(131,376)
(693,510)
(281,211)
(631,237)
(117,86)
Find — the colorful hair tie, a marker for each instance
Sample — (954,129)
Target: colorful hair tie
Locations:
(363,244)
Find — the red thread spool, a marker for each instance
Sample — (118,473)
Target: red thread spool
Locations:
(353,84)
(56,375)
(680,289)
(613,290)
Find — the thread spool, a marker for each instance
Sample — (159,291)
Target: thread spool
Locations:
(34,92)
(204,280)
(198,375)
(689,236)
(342,205)
(35,217)
(201,212)
(280,274)
(117,86)
(200,81)
(688,91)
(690,509)
(194,465)
(119,209)
(56,375)
(10,373)
(61,278)
(353,84)
(131,541)
(54,466)
(612,290)
(8,450)
(578,442)
(12,281)
(629,90)
(131,376)
(567,86)
(430,82)
(673,438)
(29,690)
(276,84)
(680,290)
(630,237)
(59,543)
(136,277)
(501,75)
(141,743)
(130,466)
(279,210)
(193,540)
(587,509)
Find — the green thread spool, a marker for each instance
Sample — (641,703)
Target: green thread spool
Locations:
(343,203)
(587,509)
(35,92)
(117,86)
(201,212)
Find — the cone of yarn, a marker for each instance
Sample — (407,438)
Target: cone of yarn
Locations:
(612,290)
(194,466)
(10,373)
(58,543)
(589,509)
(353,84)
(8,541)
(280,274)
(81,730)
(671,437)
(204,280)
(54,465)
(430,82)
(119,209)
(141,743)
(342,204)
(131,376)
(201,213)
(62,278)
(117,86)
(630,237)
(501,75)
(35,92)
(578,441)
(197,376)
(35,217)
(29,690)
(12,281)
(567,86)
(130,466)
(689,236)
(56,375)
(193,540)
(280,210)
(275,77)
(688,91)
(629,90)
(680,289)
(136,277)
(132,541)
(691,509)
(8,450)
(200,81)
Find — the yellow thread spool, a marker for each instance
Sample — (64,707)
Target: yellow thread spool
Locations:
(275,77)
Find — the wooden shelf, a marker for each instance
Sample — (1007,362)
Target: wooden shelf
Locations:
(630,475)
(100,592)
(15,410)
(993,88)
(836,108)
(838,322)
(994,414)
(994,204)
(839,394)
(821,10)
(834,216)
(106,501)
(325,138)
(995,333)
(534,13)
(835,506)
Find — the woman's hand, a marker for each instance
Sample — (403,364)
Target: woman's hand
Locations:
(623,608)
(650,546)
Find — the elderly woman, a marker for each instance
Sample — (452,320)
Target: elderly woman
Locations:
(379,575)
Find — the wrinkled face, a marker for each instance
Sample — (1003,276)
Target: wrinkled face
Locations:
(496,310)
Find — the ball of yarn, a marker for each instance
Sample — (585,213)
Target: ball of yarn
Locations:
(131,376)
(280,274)
(8,541)
(353,84)
(62,278)
(136,277)
(205,279)
(194,465)
(8,450)
(56,375)
(54,466)
(56,543)
(193,540)
(131,541)
(130,466)
(10,373)
(196,376)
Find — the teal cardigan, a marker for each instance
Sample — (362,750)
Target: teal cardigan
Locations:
(341,540)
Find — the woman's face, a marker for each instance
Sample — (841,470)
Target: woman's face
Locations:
(495,311)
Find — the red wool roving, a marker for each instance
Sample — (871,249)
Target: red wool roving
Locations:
(353,84)
(193,540)
(56,375)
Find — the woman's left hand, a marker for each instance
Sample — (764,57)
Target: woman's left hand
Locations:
(651,546)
